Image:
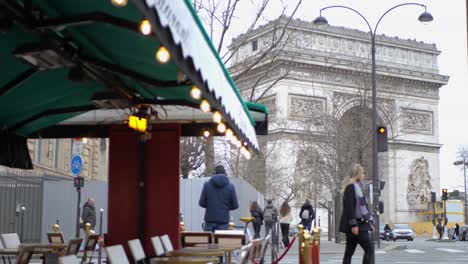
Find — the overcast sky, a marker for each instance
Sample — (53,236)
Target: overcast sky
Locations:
(447,31)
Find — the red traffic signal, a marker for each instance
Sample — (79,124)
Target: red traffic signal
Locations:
(78,182)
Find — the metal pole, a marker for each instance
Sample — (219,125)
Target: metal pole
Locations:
(22,223)
(464,178)
(375,154)
(77,233)
(100,233)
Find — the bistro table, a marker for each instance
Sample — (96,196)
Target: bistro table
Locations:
(186,259)
(37,249)
(227,249)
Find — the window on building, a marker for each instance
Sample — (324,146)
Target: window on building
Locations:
(38,150)
(254,45)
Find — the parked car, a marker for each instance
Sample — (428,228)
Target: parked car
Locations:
(403,231)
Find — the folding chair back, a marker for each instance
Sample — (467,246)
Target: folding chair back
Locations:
(243,256)
(71,259)
(24,256)
(73,246)
(10,240)
(137,250)
(55,237)
(116,255)
(189,239)
(158,246)
(229,239)
(167,244)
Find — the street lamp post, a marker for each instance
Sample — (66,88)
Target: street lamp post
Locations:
(424,17)
(464,162)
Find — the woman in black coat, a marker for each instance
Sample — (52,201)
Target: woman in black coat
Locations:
(356,218)
(256,212)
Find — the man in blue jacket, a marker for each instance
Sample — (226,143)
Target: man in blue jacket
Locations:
(218,197)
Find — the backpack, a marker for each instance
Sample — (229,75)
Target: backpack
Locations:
(305,214)
(268,214)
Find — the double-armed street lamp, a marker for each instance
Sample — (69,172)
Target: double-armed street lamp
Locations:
(424,17)
(464,162)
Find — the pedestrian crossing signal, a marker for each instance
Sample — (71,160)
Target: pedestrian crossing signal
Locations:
(382,140)
(78,182)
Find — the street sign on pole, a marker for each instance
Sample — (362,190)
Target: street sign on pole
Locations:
(77,147)
(76,165)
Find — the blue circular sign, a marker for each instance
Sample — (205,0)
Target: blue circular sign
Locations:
(76,164)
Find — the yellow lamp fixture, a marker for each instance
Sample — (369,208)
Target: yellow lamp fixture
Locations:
(221,127)
(162,55)
(138,123)
(205,106)
(195,92)
(217,117)
(119,3)
(206,133)
(145,27)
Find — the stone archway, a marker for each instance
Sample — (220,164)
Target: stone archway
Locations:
(354,140)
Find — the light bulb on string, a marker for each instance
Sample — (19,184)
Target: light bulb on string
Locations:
(205,106)
(145,27)
(162,55)
(195,92)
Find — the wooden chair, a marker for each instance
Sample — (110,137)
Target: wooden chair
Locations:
(116,255)
(24,256)
(71,259)
(55,237)
(229,239)
(158,246)
(137,251)
(10,240)
(189,239)
(73,246)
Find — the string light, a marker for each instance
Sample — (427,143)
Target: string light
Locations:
(145,27)
(206,133)
(195,92)
(229,134)
(162,55)
(221,127)
(217,117)
(119,3)
(205,106)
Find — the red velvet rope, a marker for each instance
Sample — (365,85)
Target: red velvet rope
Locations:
(284,253)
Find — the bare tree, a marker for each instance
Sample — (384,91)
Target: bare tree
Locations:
(191,155)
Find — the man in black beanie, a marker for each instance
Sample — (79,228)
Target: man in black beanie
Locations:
(218,197)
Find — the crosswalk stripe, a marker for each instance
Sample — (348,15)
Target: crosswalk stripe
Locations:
(450,250)
(414,251)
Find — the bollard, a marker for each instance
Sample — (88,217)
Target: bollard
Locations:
(307,248)
(22,223)
(85,253)
(300,236)
(316,246)
(231,224)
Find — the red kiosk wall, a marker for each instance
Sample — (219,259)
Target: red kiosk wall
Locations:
(161,211)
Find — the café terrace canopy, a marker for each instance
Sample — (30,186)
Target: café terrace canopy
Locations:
(75,68)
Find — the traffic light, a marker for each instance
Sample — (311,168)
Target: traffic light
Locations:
(78,182)
(433,197)
(382,141)
(444,194)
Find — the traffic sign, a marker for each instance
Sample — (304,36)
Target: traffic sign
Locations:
(76,164)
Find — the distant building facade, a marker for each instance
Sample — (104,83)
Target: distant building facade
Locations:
(52,156)
(316,84)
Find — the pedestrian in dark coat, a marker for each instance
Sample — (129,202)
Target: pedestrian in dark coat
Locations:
(89,213)
(307,215)
(218,197)
(457,231)
(256,212)
(356,218)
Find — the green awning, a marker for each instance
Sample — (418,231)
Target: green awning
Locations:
(63,59)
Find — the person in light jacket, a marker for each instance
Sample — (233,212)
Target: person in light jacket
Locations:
(285,220)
